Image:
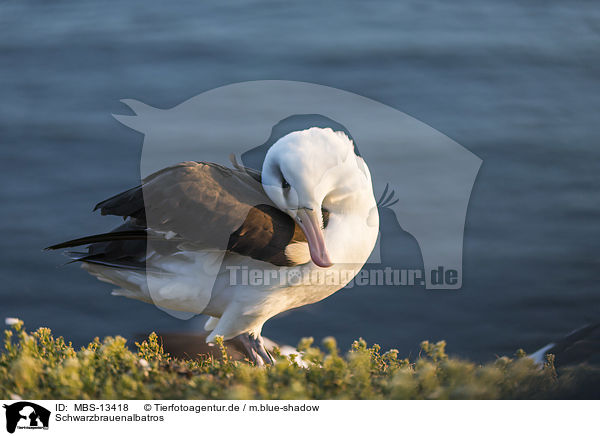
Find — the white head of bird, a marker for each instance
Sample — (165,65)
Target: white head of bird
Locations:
(316,178)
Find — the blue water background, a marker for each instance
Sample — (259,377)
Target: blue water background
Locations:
(517,83)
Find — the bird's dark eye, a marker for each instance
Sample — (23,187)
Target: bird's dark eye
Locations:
(325,214)
(284,184)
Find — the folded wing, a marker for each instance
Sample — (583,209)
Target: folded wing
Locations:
(192,206)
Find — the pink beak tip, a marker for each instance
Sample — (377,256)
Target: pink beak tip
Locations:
(323,263)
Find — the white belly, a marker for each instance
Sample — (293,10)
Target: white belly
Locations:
(213,283)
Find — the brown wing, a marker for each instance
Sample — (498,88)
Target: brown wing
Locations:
(265,234)
(200,205)
(204,203)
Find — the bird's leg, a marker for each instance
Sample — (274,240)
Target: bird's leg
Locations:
(255,348)
(262,351)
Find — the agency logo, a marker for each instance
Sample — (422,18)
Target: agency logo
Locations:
(425,179)
(26,415)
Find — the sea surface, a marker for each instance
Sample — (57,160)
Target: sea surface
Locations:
(516,83)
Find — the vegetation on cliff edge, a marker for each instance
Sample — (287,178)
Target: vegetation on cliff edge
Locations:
(38,366)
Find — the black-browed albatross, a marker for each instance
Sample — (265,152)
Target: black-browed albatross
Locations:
(310,208)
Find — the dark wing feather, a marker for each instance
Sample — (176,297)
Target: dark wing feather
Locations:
(202,205)
(126,204)
(265,234)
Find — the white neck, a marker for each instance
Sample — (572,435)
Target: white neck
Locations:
(351,236)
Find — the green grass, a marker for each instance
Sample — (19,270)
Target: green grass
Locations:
(38,366)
